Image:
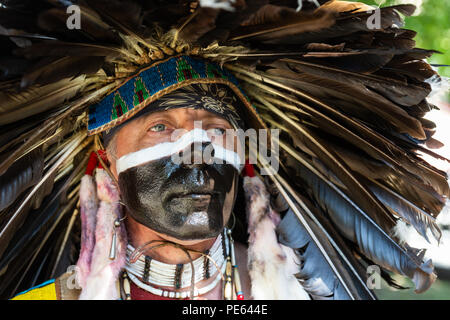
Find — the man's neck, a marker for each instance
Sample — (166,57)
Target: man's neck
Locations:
(139,234)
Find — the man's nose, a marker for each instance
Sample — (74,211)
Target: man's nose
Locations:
(197,154)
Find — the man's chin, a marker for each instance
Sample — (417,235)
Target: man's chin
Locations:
(190,238)
(196,226)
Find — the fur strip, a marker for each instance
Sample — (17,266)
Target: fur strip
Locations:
(101,281)
(440,86)
(218,4)
(271,265)
(401,231)
(88,212)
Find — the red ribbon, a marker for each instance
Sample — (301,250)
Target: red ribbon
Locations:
(249,170)
(94,163)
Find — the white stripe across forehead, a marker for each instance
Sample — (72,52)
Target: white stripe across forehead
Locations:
(167,149)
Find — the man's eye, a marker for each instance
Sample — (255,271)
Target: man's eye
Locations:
(158,128)
(217,131)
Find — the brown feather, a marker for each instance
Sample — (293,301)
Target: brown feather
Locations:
(60,49)
(402,93)
(50,70)
(203,22)
(295,24)
(354,93)
(37,99)
(345,6)
(93,27)
(363,197)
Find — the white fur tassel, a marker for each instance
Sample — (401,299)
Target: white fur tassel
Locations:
(271,265)
(218,4)
(100,283)
(88,210)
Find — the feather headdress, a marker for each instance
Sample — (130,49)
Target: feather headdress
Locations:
(348,94)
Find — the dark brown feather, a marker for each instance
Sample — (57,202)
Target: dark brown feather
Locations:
(283,27)
(49,70)
(356,93)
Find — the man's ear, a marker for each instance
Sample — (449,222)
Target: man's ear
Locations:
(109,157)
(110,151)
(112,166)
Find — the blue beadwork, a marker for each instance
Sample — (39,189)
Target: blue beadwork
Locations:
(163,75)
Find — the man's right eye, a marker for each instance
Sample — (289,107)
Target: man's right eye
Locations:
(217,131)
(158,128)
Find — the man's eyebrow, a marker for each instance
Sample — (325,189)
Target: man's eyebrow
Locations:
(159,114)
(214,116)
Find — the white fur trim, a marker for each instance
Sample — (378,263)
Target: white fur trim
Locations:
(271,265)
(218,4)
(401,231)
(439,88)
(300,4)
(100,283)
(88,210)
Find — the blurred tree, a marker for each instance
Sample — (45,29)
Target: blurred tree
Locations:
(432,23)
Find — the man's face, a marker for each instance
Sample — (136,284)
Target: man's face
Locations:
(183,201)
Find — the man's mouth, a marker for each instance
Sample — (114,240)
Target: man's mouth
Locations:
(200,201)
(198,196)
(197,200)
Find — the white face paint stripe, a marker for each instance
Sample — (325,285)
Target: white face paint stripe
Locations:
(167,149)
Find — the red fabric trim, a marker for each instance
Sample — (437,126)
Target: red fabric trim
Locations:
(249,170)
(94,163)
(140,294)
(102,154)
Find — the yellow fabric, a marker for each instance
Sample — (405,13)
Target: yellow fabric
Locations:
(46,292)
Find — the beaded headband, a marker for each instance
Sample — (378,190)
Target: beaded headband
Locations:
(153,83)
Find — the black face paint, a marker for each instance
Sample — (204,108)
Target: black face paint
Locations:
(186,202)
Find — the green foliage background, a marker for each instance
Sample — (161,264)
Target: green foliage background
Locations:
(432,24)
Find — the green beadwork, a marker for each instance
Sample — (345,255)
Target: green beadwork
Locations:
(140,91)
(118,101)
(185,71)
(213,72)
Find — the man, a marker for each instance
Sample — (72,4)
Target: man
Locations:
(157,223)
(191,205)
(172,191)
